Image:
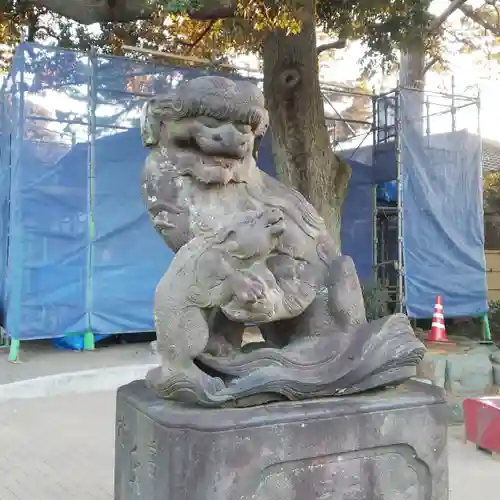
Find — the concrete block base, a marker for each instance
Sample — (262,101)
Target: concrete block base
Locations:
(389,444)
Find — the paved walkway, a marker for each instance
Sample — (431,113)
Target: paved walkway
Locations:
(42,358)
(62,447)
(57,448)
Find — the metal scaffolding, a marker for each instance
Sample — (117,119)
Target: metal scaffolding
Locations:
(420,118)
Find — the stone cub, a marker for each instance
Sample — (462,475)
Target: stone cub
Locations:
(225,270)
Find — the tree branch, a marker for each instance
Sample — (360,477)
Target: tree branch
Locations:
(478,19)
(339,44)
(92,11)
(211,10)
(430,63)
(439,20)
(462,40)
(434,27)
(200,37)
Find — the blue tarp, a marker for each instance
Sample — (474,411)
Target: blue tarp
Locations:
(129,257)
(443,222)
(443,229)
(67,284)
(387,192)
(48,246)
(357,220)
(4,224)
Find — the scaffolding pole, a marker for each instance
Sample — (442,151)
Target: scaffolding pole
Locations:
(15,223)
(485,318)
(400,303)
(374,189)
(88,336)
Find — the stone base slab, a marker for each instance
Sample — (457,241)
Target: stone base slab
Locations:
(389,444)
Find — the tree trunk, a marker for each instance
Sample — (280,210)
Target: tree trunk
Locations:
(301,145)
(412,69)
(412,76)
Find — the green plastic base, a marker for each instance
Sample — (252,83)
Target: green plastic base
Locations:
(486,329)
(15,346)
(88,341)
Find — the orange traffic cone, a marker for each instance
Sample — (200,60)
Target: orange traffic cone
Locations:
(438,329)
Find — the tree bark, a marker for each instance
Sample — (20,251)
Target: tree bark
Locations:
(412,76)
(412,68)
(99,11)
(120,11)
(301,145)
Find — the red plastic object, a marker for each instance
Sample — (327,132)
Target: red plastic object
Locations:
(482,422)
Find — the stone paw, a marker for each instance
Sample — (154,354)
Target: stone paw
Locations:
(188,386)
(219,347)
(211,385)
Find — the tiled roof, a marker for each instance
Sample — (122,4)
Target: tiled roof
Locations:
(491,155)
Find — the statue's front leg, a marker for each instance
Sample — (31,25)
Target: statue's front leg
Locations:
(180,341)
(225,336)
(299,283)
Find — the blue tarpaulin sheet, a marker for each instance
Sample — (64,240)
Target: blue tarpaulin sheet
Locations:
(443,228)
(48,246)
(129,257)
(357,220)
(443,221)
(69,284)
(387,191)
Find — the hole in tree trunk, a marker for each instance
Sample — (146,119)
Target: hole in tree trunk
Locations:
(290,78)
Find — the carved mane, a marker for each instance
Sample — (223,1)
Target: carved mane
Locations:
(219,98)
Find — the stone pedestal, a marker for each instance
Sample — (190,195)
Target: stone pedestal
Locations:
(387,445)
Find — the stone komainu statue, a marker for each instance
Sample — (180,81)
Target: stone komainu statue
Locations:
(201,174)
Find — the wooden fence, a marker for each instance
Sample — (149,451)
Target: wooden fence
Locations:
(493,273)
